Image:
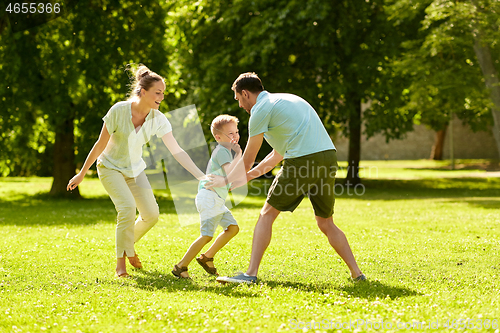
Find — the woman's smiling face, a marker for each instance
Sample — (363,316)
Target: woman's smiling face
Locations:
(154,95)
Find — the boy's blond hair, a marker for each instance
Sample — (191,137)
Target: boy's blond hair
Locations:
(220,121)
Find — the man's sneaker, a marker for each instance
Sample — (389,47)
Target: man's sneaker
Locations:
(360,278)
(242,278)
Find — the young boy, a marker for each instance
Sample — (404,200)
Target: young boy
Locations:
(211,202)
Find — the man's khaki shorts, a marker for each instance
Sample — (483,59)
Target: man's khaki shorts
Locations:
(312,175)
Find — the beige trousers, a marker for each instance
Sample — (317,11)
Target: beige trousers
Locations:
(129,194)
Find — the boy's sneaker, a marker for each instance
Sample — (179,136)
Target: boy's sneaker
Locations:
(242,278)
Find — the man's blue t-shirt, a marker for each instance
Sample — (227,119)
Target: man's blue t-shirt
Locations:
(290,125)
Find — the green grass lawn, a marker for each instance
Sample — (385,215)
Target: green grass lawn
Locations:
(427,238)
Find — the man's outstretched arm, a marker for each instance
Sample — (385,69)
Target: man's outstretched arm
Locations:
(253,146)
(266,165)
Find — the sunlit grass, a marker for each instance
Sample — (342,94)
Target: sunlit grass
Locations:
(429,247)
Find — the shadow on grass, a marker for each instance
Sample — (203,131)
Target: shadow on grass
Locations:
(487,204)
(156,280)
(43,209)
(375,289)
(388,189)
(165,281)
(368,289)
(487,165)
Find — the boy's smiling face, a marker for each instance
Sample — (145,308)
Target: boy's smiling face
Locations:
(229,132)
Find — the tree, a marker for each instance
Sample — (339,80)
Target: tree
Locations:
(23,130)
(485,31)
(70,70)
(332,53)
(441,75)
(438,147)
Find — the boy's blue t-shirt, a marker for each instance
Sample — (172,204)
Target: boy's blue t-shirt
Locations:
(290,125)
(220,156)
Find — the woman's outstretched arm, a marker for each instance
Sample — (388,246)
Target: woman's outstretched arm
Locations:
(181,156)
(94,153)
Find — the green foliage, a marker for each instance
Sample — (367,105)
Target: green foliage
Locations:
(410,61)
(440,73)
(23,136)
(72,68)
(333,54)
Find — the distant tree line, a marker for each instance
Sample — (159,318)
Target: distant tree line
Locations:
(412,62)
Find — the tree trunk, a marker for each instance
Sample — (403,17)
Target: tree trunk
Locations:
(354,154)
(4,22)
(490,74)
(64,160)
(438,147)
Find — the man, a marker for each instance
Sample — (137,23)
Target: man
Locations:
(294,131)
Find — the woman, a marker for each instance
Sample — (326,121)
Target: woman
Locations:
(127,127)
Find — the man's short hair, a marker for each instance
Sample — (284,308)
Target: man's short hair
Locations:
(247,81)
(219,122)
